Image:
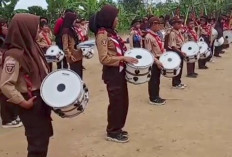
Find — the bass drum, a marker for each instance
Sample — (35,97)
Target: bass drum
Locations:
(65,92)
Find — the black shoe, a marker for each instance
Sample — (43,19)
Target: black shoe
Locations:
(204,67)
(218,56)
(125,133)
(222,52)
(195,74)
(158,101)
(119,138)
(191,76)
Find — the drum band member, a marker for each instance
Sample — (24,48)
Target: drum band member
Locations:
(70,42)
(24,68)
(9,112)
(191,35)
(175,42)
(135,38)
(219,28)
(154,44)
(204,32)
(111,51)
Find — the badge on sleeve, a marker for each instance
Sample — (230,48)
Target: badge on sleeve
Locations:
(10,67)
(104,42)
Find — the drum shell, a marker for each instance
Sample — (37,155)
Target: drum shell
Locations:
(138,75)
(76,108)
(206,54)
(170,73)
(88,52)
(193,58)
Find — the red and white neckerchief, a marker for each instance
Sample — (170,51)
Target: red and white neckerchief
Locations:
(80,34)
(208,29)
(179,35)
(183,29)
(48,40)
(225,26)
(158,40)
(193,34)
(120,48)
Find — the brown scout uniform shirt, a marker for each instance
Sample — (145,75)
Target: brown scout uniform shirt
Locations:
(176,39)
(42,41)
(12,81)
(106,49)
(152,45)
(69,47)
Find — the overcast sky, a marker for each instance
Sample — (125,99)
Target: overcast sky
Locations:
(24,4)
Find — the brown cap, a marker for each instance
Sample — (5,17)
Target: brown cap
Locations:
(174,20)
(154,19)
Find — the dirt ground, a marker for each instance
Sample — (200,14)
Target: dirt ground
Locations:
(195,122)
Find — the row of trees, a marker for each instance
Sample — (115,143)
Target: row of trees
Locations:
(129,9)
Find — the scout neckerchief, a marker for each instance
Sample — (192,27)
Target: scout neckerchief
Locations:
(120,48)
(158,40)
(193,33)
(81,34)
(208,29)
(49,42)
(179,35)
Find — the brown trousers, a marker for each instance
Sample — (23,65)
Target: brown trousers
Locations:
(190,68)
(118,98)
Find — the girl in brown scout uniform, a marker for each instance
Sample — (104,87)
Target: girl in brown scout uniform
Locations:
(191,35)
(175,42)
(24,68)
(135,38)
(9,112)
(111,51)
(70,41)
(154,44)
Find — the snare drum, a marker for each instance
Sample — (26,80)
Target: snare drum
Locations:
(171,62)
(214,33)
(65,92)
(87,52)
(228,36)
(192,51)
(204,50)
(87,48)
(141,72)
(219,42)
(54,54)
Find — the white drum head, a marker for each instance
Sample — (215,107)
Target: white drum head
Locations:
(145,58)
(228,35)
(203,46)
(170,60)
(190,48)
(61,88)
(219,42)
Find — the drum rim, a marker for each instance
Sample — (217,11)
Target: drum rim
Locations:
(41,93)
(144,67)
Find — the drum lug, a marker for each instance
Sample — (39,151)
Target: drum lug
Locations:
(137,72)
(175,71)
(164,72)
(59,112)
(187,58)
(195,56)
(135,79)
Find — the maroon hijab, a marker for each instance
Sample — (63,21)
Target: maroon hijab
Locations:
(21,43)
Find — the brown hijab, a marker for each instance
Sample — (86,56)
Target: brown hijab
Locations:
(21,43)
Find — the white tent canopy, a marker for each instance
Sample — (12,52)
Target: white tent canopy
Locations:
(24,4)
